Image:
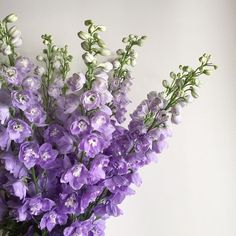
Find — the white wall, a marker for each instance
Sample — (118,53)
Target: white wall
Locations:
(192,191)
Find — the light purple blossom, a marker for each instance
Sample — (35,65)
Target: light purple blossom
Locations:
(36,114)
(12,75)
(19,189)
(47,155)
(92,144)
(32,83)
(76,82)
(29,154)
(18,130)
(79,125)
(22,99)
(24,65)
(76,176)
(90,100)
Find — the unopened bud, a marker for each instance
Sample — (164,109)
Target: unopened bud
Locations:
(101,28)
(107,66)
(83,35)
(39,58)
(165,84)
(105,52)
(88,58)
(11,18)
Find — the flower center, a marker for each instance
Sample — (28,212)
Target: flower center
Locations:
(46,156)
(18,127)
(77,171)
(93,142)
(70,202)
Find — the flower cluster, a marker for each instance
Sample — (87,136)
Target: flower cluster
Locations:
(66,163)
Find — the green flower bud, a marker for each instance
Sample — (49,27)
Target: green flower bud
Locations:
(83,35)
(11,18)
(194,93)
(207,72)
(165,84)
(85,45)
(125,40)
(119,51)
(101,43)
(101,28)
(172,75)
(88,22)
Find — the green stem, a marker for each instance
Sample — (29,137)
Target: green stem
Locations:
(35,180)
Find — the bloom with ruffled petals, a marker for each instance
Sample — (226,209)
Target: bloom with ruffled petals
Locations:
(18,130)
(24,65)
(90,100)
(76,82)
(76,176)
(47,155)
(29,154)
(36,114)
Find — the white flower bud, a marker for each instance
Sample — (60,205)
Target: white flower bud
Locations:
(116,64)
(133,62)
(107,66)
(39,70)
(83,35)
(105,52)
(56,64)
(16,42)
(6,50)
(101,27)
(14,32)
(11,18)
(176,110)
(88,58)
(39,58)
(176,119)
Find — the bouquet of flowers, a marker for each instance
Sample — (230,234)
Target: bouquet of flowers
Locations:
(67,163)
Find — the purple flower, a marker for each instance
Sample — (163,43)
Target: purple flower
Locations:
(55,88)
(51,219)
(36,114)
(53,133)
(76,82)
(100,121)
(18,130)
(22,99)
(5,103)
(24,65)
(12,76)
(92,144)
(29,154)
(47,155)
(70,203)
(13,165)
(37,205)
(32,83)
(4,138)
(19,189)
(90,100)
(76,176)
(71,103)
(79,125)
(98,167)
(65,144)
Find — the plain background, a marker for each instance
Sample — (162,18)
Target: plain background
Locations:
(191,191)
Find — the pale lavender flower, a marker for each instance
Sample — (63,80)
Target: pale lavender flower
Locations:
(79,125)
(22,99)
(92,144)
(51,219)
(76,176)
(90,100)
(29,154)
(18,130)
(47,155)
(32,83)
(4,138)
(76,82)
(19,189)
(36,114)
(12,76)
(24,65)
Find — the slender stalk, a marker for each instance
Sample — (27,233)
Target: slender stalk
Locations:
(35,180)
